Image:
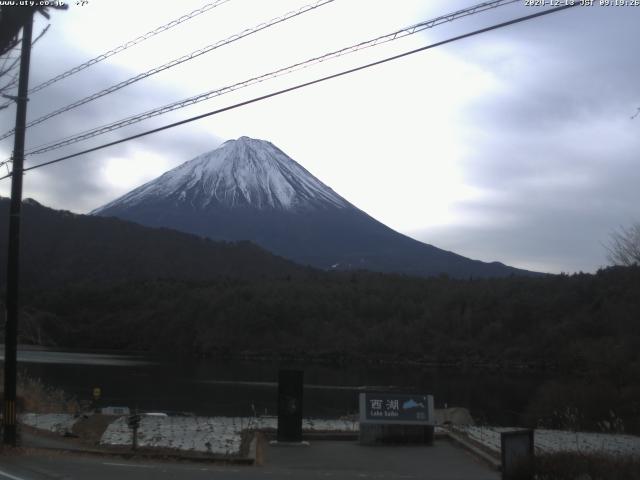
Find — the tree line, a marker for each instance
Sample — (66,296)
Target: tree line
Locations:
(583,329)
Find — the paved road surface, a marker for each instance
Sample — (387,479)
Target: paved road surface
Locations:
(321,460)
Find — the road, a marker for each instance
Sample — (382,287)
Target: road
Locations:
(326,460)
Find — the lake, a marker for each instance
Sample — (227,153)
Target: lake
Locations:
(222,387)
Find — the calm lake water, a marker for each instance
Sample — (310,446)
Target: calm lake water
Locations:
(215,387)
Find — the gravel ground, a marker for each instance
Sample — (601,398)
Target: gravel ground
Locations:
(220,435)
(52,422)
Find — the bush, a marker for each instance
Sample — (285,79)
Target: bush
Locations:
(34,396)
(579,466)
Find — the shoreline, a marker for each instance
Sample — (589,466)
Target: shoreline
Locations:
(338,359)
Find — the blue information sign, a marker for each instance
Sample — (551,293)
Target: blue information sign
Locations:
(396,408)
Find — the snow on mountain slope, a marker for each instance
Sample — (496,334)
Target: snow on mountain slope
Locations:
(240,172)
(250,190)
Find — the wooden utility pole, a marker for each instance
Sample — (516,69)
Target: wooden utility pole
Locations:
(11,319)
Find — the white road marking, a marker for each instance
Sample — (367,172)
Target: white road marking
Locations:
(8,475)
(128,465)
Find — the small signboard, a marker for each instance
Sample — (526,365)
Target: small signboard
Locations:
(115,411)
(397,409)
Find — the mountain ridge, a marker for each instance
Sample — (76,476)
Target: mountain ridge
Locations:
(60,247)
(249,189)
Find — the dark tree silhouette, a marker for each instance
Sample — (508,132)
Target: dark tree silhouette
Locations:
(12,19)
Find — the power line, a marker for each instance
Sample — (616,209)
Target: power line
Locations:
(175,62)
(12,81)
(303,85)
(129,44)
(14,78)
(16,60)
(395,35)
(124,46)
(41,34)
(14,64)
(7,57)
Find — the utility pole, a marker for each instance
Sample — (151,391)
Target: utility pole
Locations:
(11,319)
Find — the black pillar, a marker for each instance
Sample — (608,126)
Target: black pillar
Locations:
(11,319)
(290,387)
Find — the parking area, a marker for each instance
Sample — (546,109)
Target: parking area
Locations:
(344,459)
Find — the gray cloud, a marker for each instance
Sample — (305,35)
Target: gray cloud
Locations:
(554,146)
(76,184)
(551,146)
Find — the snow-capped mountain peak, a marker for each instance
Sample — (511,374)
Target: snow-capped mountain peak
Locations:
(249,189)
(242,172)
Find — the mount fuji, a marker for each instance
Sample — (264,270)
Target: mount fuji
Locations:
(249,189)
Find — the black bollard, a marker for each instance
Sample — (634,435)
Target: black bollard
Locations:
(290,387)
(517,449)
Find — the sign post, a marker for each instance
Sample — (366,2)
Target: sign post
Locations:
(97,393)
(396,418)
(10,433)
(134,422)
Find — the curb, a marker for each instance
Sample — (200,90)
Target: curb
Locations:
(480,453)
(254,450)
(317,436)
(141,454)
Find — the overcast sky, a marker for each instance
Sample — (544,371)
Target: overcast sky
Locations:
(516,145)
